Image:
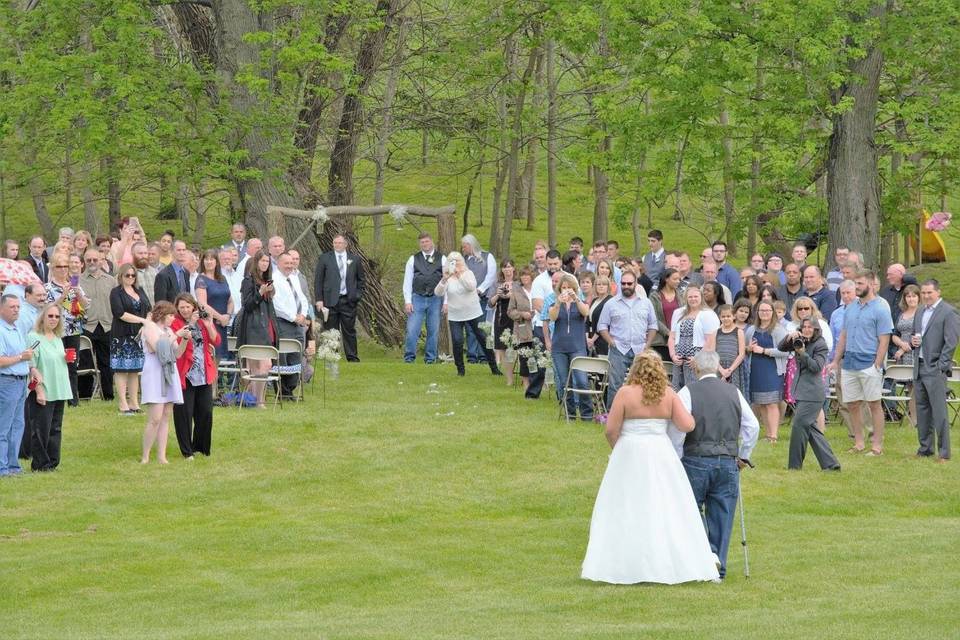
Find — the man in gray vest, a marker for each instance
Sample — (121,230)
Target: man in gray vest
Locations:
(484,269)
(420,277)
(711,456)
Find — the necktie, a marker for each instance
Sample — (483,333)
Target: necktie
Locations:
(343,267)
(295,297)
(182,278)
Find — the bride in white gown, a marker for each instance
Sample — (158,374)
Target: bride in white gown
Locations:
(646,526)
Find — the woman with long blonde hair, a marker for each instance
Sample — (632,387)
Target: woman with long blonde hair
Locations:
(646,526)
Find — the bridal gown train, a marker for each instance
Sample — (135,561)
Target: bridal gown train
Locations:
(646,526)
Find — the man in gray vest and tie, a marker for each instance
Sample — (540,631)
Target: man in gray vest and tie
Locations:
(711,455)
(484,269)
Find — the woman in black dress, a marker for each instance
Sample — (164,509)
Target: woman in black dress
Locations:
(257,322)
(130,306)
(596,345)
(499,302)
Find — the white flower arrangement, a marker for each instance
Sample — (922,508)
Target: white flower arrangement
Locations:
(399,213)
(328,346)
(320,216)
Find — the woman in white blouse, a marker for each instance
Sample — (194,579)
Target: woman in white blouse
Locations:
(694,329)
(463,310)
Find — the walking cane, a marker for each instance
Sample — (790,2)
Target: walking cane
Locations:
(743,536)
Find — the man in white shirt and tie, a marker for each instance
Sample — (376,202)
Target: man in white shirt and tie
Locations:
(338,286)
(420,277)
(290,304)
(238,239)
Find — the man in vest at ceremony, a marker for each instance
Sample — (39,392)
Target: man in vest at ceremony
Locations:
(420,277)
(711,455)
(484,269)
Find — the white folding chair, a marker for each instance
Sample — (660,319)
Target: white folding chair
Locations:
(291,346)
(597,371)
(901,375)
(228,369)
(85,344)
(258,352)
(953,393)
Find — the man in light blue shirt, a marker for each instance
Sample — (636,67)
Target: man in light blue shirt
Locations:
(628,324)
(862,347)
(15,369)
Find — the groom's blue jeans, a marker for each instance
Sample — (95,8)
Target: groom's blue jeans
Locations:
(715,481)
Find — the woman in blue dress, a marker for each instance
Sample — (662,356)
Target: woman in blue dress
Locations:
(767,367)
(213,294)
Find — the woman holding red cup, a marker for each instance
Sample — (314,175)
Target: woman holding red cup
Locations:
(47,399)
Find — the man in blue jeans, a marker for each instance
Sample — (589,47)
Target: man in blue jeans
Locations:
(420,277)
(710,456)
(15,370)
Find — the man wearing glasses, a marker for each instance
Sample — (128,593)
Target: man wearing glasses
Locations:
(97,322)
(726,274)
(628,324)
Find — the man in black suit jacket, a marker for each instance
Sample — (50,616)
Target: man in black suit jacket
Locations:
(38,258)
(936,330)
(173,279)
(338,284)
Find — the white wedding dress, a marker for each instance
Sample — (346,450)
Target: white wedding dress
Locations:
(646,526)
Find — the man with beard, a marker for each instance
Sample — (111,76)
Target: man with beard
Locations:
(96,323)
(146,273)
(862,350)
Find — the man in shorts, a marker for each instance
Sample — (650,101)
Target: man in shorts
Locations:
(862,348)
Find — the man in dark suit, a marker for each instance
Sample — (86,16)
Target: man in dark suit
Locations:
(38,258)
(936,329)
(173,279)
(338,284)
(238,239)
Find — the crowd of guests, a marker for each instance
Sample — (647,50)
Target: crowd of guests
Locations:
(158,317)
(785,333)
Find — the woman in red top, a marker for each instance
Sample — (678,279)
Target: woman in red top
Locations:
(198,375)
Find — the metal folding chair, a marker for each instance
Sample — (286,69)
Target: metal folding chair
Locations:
(953,394)
(85,344)
(291,346)
(258,352)
(902,376)
(597,371)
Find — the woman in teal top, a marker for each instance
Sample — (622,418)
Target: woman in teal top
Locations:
(46,402)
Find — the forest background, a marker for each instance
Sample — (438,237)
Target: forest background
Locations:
(757,122)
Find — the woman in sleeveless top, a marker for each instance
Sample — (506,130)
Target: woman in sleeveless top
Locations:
(646,526)
(903,332)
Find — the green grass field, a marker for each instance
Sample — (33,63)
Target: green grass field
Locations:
(391,512)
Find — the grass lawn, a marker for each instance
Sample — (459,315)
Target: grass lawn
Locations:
(393,512)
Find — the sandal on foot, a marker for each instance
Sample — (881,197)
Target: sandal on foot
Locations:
(855,450)
(874,453)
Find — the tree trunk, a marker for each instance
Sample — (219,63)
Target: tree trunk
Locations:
(35,187)
(466,206)
(516,143)
(343,157)
(853,192)
(386,128)
(114,213)
(530,171)
(200,228)
(182,202)
(729,184)
(551,145)
(67,180)
(316,101)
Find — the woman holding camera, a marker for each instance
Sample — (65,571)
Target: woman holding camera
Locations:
(198,375)
(64,290)
(810,351)
(500,302)
(569,340)
(463,310)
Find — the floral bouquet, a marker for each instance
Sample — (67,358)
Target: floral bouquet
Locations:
(487,328)
(938,221)
(507,339)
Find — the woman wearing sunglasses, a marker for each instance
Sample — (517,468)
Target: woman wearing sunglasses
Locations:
(45,403)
